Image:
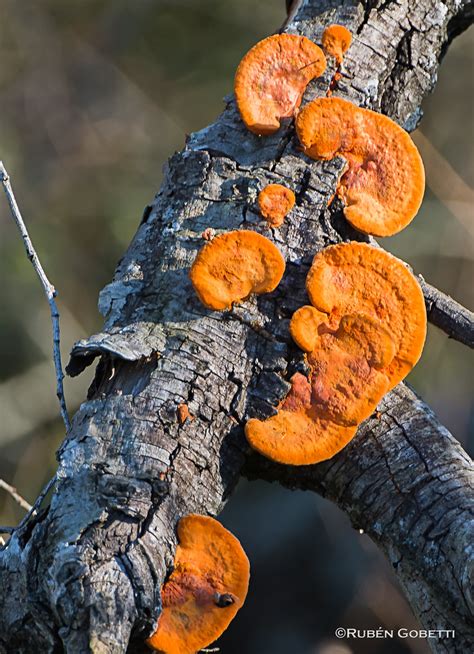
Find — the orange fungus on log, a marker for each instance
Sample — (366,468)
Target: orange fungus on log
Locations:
(384,182)
(336,41)
(234,265)
(206,589)
(363,334)
(272,77)
(275,201)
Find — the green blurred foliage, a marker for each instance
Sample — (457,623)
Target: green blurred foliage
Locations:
(95,96)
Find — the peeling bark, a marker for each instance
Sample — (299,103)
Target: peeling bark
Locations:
(85,574)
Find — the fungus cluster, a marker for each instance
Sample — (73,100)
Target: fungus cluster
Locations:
(362,333)
(275,202)
(206,589)
(272,77)
(383,185)
(233,265)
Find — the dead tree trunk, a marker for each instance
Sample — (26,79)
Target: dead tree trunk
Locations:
(85,574)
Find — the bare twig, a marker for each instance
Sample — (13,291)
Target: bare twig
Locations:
(6,530)
(49,290)
(34,509)
(447,314)
(11,490)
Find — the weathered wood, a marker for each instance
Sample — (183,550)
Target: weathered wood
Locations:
(86,573)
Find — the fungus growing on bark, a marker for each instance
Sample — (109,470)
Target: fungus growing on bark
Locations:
(336,41)
(183,414)
(351,278)
(272,77)
(363,334)
(206,589)
(384,182)
(233,265)
(275,201)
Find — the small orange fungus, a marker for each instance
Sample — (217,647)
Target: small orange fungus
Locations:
(363,334)
(384,181)
(233,265)
(336,41)
(183,414)
(272,77)
(206,589)
(275,201)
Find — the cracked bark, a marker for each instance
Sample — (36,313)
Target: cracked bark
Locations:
(85,574)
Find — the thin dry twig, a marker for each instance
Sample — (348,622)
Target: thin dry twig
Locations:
(39,500)
(48,288)
(448,315)
(11,490)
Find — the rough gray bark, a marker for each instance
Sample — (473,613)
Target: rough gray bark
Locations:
(85,575)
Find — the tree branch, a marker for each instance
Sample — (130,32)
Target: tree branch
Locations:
(447,314)
(48,288)
(85,573)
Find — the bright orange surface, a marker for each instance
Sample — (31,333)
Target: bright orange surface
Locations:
(275,202)
(209,562)
(272,77)
(384,182)
(233,265)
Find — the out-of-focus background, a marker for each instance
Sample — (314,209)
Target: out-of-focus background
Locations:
(94,96)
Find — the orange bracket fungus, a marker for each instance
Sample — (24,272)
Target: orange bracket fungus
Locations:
(272,77)
(363,333)
(384,182)
(336,41)
(206,589)
(233,265)
(275,202)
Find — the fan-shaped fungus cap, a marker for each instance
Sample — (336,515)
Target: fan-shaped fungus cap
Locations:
(272,77)
(207,587)
(298,434)
(384,182)
(364,334)
(336,41)
(358,278)
(275,201)
(233,265)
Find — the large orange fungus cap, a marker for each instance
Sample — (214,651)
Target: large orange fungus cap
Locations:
(234,265)
(358,278)
(363,334)
(336,41)
(207,587)
(272,77)
(275,201)
(384,182)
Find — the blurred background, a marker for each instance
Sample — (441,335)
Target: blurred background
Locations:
(95,95)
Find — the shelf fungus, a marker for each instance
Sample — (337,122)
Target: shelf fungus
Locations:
(275,202)
(206,589)
(384,181)
(362,334)
(336,41)
(272,77)
(233,265)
